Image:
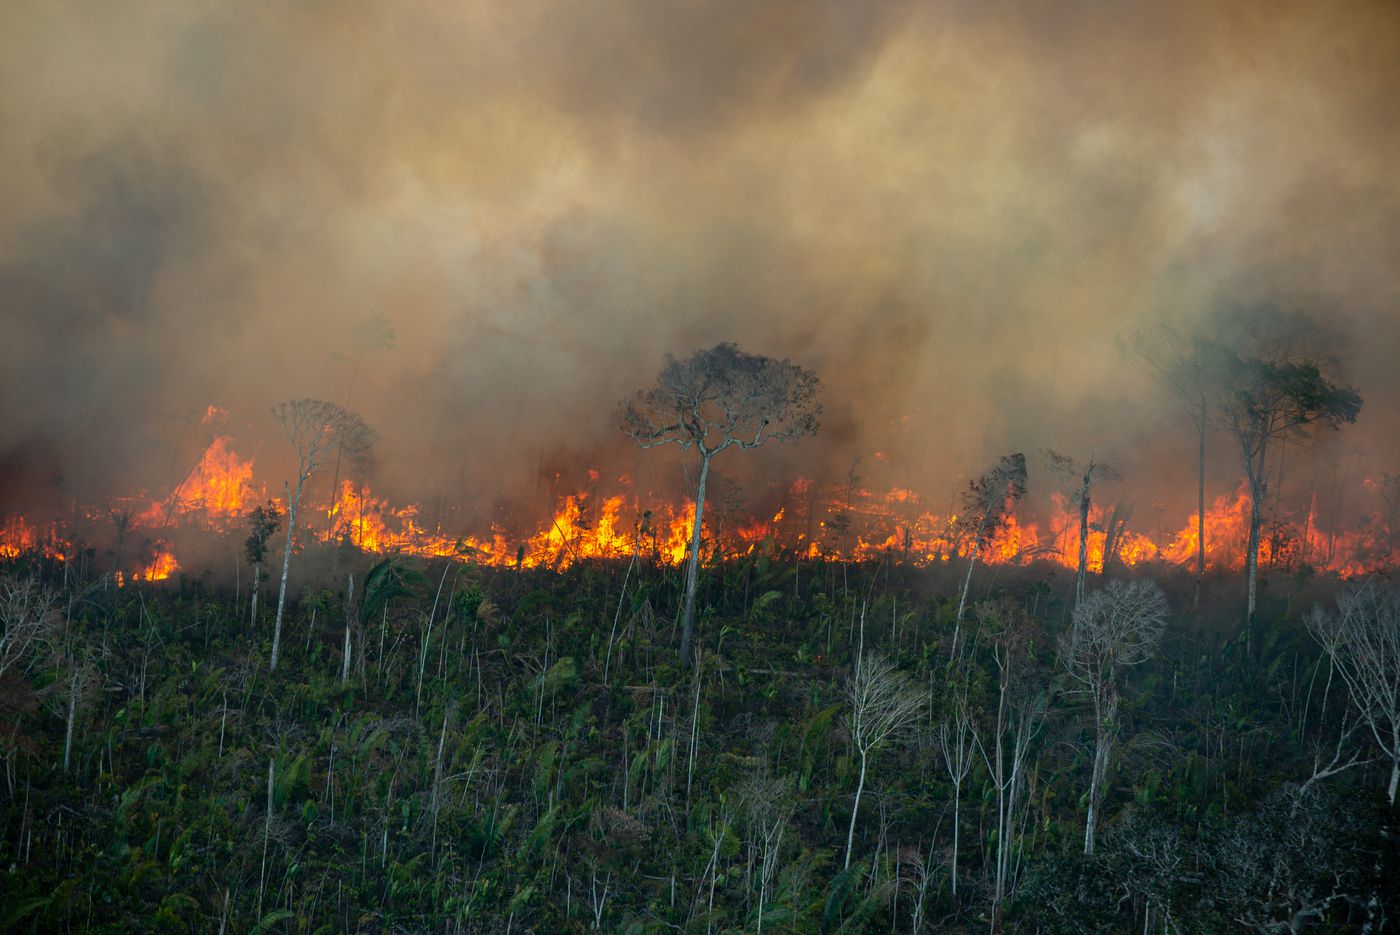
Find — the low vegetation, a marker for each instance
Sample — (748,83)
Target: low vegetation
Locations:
(514,751)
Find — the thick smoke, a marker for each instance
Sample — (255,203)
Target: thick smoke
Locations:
(948,215)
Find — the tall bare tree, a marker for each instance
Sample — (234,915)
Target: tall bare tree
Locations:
(987,503)
(768,806)
(315,428)
(956,740)
(1005,742)
(883,703)
(1083,477)
(1363,639)
(1113,628)
(715,399)
(1178,356)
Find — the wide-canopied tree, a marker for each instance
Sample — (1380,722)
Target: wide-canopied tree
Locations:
(715,399)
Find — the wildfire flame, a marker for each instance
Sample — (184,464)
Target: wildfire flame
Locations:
(849,525)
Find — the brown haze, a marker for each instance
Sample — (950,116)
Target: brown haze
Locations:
(947,210)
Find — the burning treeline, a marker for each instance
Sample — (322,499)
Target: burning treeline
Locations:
(609,519)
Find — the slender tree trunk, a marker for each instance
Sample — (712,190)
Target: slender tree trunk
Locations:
(1083,538)
(286,566)
(999,778)
(953,875)
(1394,779)
(967,579)
(693,572)
(855,809)
(74,685)
(349,617)
(1256,497)
(267,830)
(1254,468)
(1103,743)
(1200,506)
(257,576)
(967,584)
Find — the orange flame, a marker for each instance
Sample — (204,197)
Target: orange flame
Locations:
(807,522)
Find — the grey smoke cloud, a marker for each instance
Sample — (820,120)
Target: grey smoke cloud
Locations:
(948,212)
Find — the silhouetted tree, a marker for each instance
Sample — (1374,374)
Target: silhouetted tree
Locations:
(314,427)
(1270,386)
(1178,356)
(716,399)
(263,521)
(1084,477)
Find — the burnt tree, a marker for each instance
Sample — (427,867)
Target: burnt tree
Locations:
(1083,477)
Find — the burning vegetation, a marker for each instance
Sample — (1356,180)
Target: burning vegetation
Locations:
(616,521)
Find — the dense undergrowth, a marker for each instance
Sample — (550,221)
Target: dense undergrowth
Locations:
(520,751)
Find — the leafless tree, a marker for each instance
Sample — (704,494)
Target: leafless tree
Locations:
(1113,628)
(1178,357)
(1363,639)
(1084,477)
(883,703)
(917,872)
(768,806)
(1019,717)
(29,621)
(315,428)
(716,399)
(719,821)
(956,744)
(987,503)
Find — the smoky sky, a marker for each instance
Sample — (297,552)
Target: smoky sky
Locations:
(948,211)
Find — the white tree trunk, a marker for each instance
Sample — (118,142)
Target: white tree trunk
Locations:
(349,613)
(73,687)
(855,809)
(1256,494)
(1095,792)
(953,874)
(693,572)
(286,566)
(1083,543)
(257,577)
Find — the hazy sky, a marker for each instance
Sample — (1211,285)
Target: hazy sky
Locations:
(948,210)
